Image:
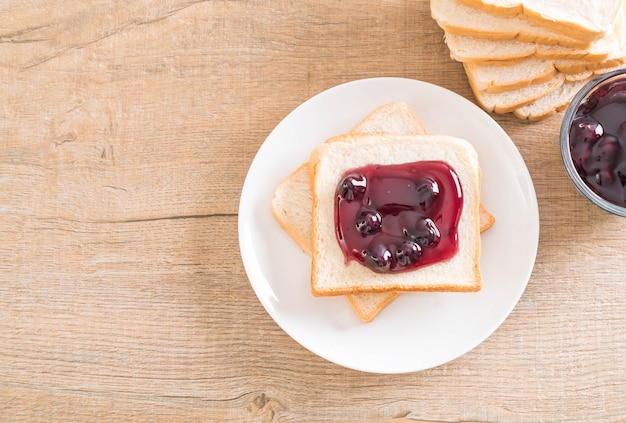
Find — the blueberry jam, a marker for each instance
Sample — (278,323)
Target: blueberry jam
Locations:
(395,218)
(597,141)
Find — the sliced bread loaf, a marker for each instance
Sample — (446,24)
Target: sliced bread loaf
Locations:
(533,79)
(331,275)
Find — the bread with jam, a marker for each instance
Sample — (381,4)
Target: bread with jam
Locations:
(335,273)
(292,202)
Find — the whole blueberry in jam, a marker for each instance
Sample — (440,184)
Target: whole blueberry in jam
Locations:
(427,191)
(394,218)
(369,222)
(379,258)
(426,232)
(408,253)
(352,187)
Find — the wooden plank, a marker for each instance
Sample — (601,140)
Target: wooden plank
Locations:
(126,131)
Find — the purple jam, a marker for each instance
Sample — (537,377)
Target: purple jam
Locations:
(396,218)
(597,141)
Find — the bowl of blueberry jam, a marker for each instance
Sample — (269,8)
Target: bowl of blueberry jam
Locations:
(593,141)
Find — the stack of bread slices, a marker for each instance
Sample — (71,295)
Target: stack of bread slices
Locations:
(530,57)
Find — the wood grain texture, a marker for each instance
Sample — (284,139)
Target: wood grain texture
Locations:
(126,131)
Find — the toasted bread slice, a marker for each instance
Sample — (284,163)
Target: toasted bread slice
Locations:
(331,275)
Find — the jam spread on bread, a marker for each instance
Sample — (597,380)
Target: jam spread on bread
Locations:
(597,139)
(395,218)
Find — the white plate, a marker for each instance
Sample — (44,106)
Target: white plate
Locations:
(418,330)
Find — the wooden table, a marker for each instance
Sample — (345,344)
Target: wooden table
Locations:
(126,131)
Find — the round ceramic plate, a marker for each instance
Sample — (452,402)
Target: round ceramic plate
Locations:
(418,330)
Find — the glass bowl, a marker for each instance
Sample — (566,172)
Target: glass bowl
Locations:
(593,141)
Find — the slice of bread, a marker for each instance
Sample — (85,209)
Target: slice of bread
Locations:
(486,219)
(455,17)
(469,49)
(506,76)
(291,206)
(550,104)
(583,19)
(510,100)
(331,275)
(498,78)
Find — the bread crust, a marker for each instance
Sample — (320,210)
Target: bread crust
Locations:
(357,301)
(487,220)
